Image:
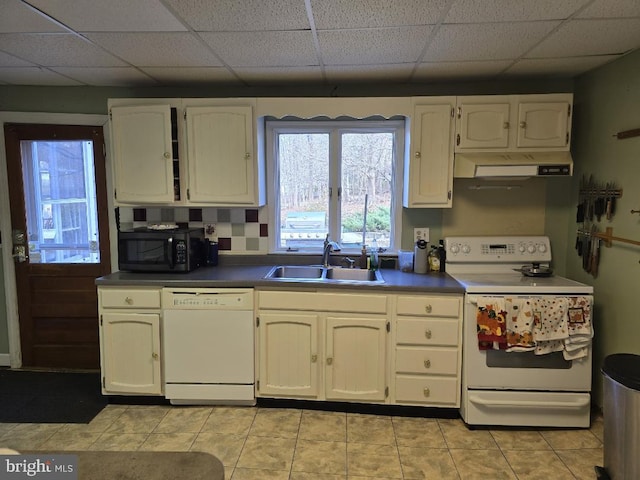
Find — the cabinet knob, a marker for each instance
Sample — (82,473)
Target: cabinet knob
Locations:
(428,308)
(329,361)
(247,156)
(426,392)
(167,155)
(505,125)
(417,154)
(427,333)
(427,363)
(314,358)
(155,356)
(128,301)
(523,124)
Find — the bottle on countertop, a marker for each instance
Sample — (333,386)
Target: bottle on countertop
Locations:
(373,258)
(434,259)
(442,254)
(421,261)
(363,261)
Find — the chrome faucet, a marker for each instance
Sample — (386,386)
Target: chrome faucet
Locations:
(328,248)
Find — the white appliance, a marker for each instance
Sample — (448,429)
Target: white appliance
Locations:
(208,349)
(509,387)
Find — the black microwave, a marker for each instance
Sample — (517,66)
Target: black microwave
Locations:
(171,250)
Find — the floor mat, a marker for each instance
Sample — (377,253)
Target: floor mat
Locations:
(49,397)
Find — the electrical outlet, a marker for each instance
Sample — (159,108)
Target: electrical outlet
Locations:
(421,233)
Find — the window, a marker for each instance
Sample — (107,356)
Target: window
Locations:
(60,201)
(335,177)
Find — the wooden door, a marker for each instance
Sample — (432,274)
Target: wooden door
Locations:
(60,233)
(356,359)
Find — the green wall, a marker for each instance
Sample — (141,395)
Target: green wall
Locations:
(607,101)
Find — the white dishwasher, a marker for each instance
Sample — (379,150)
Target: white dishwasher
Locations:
(208,349)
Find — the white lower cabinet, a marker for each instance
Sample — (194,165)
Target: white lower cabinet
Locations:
(130,341)
(333,354)
(427,350)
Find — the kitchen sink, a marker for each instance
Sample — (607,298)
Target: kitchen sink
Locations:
(353,274)
(296,271)
(322,274)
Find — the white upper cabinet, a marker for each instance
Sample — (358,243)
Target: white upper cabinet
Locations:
(142,154)
(429,167)
(220,154)
(507,123)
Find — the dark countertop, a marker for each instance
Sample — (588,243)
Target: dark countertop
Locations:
(250,276)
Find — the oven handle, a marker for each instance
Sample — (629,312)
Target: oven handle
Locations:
(521,403)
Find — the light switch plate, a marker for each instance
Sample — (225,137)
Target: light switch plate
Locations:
(211,232)
(421,233)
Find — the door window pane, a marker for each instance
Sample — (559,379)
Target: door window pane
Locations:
(60,201)
(303,167)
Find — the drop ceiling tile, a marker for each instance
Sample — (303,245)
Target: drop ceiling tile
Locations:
(17,17)
(457,70)
(272,75)
(190,75)
(590,37)
(263,49)
(371,46)
(7,60)
(486,41)
(107,76)
(391,73)
(157,49)
(34,76)
(111,15)
(571,66)
(477,11)
(56,50)
(247,15)
(611,9)
(339,14)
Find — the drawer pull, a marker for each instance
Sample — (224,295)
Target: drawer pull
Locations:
(155,356)
(427,363)
(314,358)
(428,308)
(427,333)
(329,360)
(426,392)
(128,301)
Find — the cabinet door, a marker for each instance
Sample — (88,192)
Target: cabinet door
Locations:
(142,154)
(482,125)
(131,353)
(429,176)
(543,124)
(355,358)
(288,354)
(220,155)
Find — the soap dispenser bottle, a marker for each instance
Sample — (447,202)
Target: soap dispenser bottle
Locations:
(363,261)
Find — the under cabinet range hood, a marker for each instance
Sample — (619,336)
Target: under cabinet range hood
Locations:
(508,164)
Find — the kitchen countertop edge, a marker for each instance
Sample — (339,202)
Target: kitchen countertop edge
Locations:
(252,276)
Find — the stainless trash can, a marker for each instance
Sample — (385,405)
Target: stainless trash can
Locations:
(621,411)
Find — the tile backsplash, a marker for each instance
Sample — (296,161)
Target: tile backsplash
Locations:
(238,230)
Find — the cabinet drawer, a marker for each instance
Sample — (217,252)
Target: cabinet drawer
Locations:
(427,331)
(427,390)
(323,301)
(427,360)
(129,298)
(429,306)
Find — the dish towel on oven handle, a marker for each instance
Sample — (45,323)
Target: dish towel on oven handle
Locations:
(491,323)
(519,324)
(580,327)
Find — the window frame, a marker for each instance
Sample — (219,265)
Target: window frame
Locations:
(335,129)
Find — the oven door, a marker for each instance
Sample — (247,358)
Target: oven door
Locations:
(501,370)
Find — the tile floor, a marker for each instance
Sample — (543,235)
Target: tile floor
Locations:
(276,443)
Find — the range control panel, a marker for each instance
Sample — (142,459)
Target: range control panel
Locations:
(477,249)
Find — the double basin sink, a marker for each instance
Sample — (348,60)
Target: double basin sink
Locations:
(314,273)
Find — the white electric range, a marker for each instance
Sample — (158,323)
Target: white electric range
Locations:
(527,382)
